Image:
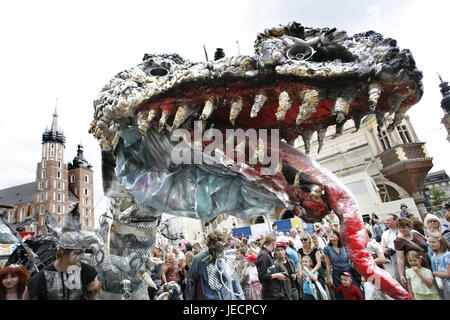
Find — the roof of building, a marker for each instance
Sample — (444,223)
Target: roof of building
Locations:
(55,134)
(438,176)
(79,161)
(437,173)
(23,193)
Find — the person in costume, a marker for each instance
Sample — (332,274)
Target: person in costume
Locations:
(67,278)
(212,275)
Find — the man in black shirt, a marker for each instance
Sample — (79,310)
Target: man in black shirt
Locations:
(65,279)
(271,281)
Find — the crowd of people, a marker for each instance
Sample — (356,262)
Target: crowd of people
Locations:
(300,264)
(312,264)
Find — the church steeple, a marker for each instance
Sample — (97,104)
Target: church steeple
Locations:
(445,90)
(55,121)
(55,134)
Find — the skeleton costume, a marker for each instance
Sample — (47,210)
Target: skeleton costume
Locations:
(51,284)
(212,276)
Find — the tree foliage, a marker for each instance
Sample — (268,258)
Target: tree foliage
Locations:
(437,197)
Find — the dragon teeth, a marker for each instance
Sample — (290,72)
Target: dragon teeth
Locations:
(308,107)
(380,120)
(374,95)
(320,138)
(284,104)
(357,119)
(306,136)
(236,107)
(341,108)
(339,129)
(208,109)
(260,99)
(182,114)
(163,120)
(151,115)
(142,122)
(398,117)
(395,102)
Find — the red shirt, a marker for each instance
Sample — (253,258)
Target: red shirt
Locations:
(349,293)
(172,272)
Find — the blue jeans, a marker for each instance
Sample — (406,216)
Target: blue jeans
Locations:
(295,295)
(308,297)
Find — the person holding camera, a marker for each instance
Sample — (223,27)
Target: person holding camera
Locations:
(285,265)
(387,242)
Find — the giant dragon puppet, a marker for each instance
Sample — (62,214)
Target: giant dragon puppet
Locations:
(300,80)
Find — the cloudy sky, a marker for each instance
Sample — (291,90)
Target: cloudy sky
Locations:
(68,50)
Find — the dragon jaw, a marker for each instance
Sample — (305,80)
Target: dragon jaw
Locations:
(300,80)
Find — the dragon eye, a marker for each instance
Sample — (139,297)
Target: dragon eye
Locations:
(158,71)
(300,52)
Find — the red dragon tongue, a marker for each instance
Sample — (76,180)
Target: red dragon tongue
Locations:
(353,231)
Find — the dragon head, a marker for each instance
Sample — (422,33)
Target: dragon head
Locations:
(300,80)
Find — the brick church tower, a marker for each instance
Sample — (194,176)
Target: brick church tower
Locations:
(54,192)
(81,183)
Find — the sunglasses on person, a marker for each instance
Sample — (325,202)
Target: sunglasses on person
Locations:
(305,239)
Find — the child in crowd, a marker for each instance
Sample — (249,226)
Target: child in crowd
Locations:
(420,279)
(13,280)
(255,287)
(347,289)
(309,292)
(441,262)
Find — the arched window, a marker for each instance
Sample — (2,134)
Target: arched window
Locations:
(43,174)
(52,150)
(59,164)
(72,178)
(260,219)
(287,215)
(59,196)
(59,174)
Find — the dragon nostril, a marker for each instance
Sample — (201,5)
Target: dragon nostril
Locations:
(300,52)
(158,71)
